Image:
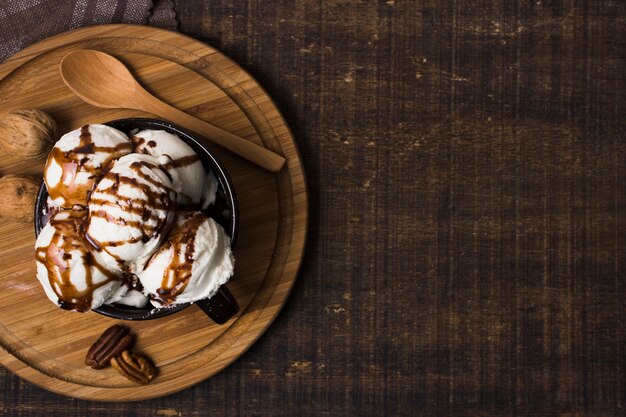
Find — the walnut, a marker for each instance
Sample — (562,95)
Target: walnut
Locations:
(27,134)
(19,194)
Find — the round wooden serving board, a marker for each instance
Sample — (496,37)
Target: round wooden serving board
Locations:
(46,345)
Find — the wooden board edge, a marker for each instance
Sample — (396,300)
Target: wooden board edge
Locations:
(112,30)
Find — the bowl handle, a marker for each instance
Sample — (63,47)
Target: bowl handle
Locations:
(221,307)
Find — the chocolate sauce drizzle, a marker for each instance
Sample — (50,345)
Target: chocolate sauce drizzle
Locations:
(177,274)
(76,161)
(157,198)
(174,163)
(69,235)
(182,162)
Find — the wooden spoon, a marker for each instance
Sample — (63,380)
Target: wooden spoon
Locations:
(103,81)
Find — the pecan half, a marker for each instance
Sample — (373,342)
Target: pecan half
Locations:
(135,367)
(111,343)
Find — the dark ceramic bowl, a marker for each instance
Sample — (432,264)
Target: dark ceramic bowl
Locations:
(221,306)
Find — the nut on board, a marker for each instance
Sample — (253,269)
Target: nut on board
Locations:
(27,134)
(19,194)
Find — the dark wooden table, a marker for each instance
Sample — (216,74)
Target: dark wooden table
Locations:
(466,255)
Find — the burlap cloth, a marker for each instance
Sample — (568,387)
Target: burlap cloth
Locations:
(24,22)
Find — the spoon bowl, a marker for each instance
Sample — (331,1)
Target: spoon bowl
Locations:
(99,79)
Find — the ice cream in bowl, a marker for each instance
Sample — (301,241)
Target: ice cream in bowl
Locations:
(136,220)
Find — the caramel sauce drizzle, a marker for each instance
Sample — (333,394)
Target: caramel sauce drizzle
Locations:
(69,235)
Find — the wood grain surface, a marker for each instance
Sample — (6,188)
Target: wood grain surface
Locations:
(465,162)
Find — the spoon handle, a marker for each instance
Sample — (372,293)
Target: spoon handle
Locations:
(248,150)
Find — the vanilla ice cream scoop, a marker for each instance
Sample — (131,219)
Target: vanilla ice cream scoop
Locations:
(131,209)
(191,265)
(73,273)
(133,298)
(77,160)
(193,186)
